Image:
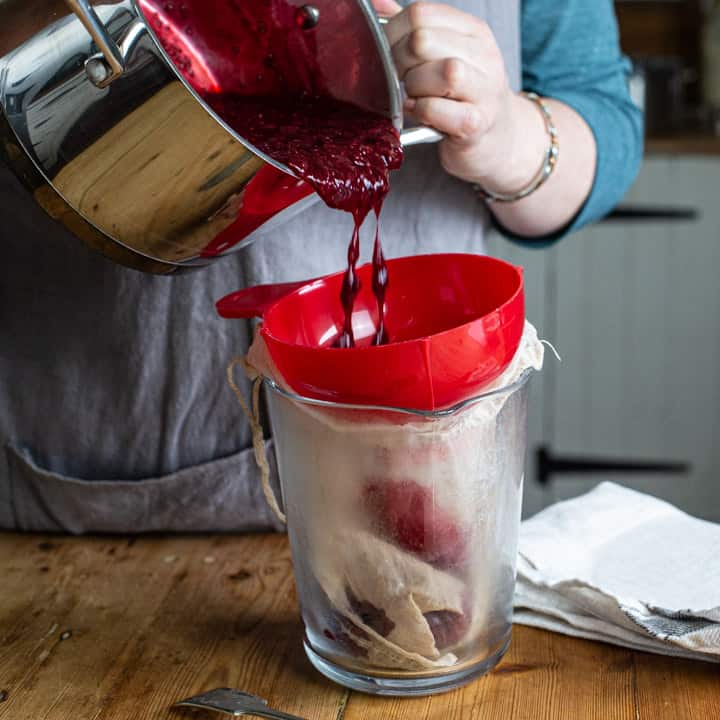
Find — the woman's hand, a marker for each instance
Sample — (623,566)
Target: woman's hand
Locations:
(455,78)
(456,82)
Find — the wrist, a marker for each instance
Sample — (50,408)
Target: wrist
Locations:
(519,148)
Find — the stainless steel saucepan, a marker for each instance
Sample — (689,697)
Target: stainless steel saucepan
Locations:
(102,120)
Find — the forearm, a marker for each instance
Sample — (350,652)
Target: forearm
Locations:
(552,206)
(456,82)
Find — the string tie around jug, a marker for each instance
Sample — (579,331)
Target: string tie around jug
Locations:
(253,418)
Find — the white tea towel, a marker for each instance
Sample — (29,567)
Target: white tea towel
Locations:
(625,568)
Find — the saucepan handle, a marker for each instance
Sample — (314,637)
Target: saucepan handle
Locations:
(420,134)
(109,64)
(112,65)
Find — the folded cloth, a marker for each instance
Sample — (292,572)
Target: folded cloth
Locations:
(622,567)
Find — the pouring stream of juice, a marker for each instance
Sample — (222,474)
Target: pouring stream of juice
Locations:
(278,102)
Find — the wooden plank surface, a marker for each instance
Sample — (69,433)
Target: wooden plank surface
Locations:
(117,629)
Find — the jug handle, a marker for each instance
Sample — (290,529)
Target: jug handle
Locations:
(420,134)
(109,63)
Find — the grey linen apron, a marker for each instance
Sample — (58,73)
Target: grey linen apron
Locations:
(114,411)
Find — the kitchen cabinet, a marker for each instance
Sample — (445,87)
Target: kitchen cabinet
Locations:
(633,307)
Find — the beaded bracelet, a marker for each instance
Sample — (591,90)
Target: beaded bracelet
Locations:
(551,157)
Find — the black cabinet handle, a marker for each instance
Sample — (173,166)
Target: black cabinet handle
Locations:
(641,213)
(549,465)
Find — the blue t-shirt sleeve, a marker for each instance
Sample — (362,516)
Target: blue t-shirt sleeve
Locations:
(571,52)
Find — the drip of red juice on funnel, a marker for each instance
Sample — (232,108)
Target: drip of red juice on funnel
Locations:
(380,283)
(275,98)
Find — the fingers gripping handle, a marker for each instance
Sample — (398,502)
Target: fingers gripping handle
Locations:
(416,135)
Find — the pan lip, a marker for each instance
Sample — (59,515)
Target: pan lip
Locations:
(393,81)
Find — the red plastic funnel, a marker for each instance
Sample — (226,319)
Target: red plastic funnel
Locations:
(454,320)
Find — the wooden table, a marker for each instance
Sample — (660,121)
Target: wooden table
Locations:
(119,629)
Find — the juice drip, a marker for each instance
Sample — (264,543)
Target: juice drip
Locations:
(379,283)
(276,98)
(350,290)
(351,286)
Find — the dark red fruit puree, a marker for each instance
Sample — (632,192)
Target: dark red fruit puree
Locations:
(274,96)
(407,514)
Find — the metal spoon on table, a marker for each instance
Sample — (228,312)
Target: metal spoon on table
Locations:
(235,703)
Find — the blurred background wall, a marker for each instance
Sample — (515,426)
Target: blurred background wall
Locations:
(633,304)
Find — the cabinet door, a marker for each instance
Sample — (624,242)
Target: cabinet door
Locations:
(634,310)
(540,288)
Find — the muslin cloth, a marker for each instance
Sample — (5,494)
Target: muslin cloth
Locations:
(355,481)
(622,567)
